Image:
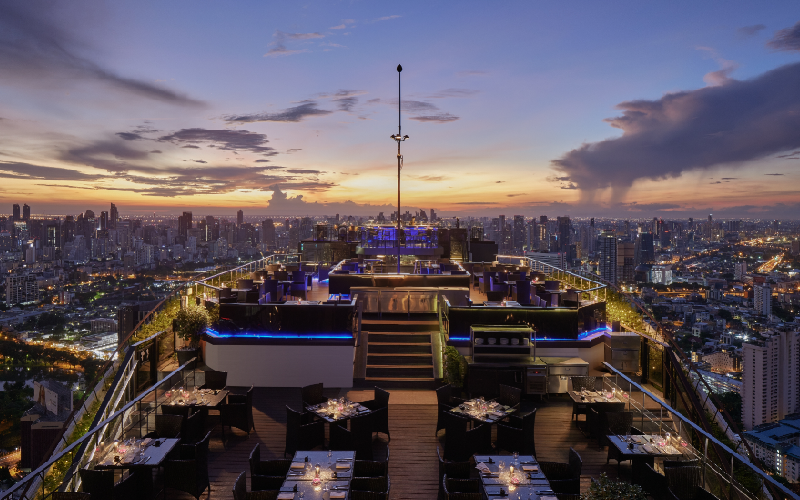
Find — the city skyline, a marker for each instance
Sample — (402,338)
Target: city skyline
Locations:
(288,110)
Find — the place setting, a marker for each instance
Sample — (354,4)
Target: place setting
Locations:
(338,409)
(482,410)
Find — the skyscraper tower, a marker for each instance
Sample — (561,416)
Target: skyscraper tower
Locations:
(26,212)
(113,217)
(239,218)
(15,212)
(607,245)
(564,233)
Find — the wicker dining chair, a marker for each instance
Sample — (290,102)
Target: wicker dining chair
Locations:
(238,412)
(461,489)
(312,394)
(240,491)
(380,405)
(579,384)
(653,482)
(682,481)
(71,495)
(98,483)
(215,380)
(518,433)
(509,396)
(373,484)
(189,473)
(564,477)
(302,433)
(455,438)
(370,468)
(443,396)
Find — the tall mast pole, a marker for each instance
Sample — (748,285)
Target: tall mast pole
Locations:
(399,138)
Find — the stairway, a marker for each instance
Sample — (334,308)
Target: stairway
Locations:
(400,353)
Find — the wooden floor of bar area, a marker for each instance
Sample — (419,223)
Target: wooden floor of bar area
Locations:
(413,466)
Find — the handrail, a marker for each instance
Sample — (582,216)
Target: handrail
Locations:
(700,430)
(14,490)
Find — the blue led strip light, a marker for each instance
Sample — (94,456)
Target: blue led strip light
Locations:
(266,335)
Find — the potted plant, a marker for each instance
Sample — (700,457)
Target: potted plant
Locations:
(455,367)
(607,489)
(190,323)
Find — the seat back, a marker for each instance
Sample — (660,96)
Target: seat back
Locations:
(294,420)
(479,439)
(453,485)
(581,383)
(443,394)
(194,426)
(382,397)
(456,446)
(168,426)
(575,464)
(98,483)
(312,394)
(370,468)
(240,486)
(509,396)
(361,428)
(374,484)
(341,438)
(457,470)
(216,380)
(255,459)
(619,423)
(682,481)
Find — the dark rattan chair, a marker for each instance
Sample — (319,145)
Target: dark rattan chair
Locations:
(683,481)
(380,405)
(215,380)
(518,434)
(443,396)
(361,428)
(509,396)
(652,482)
(479,439)
(266,483)
(461,489)
(166,426)
(680,463)
(370,468)
(98,483)
(182,410)
(455,440)
(596,419)
(302,433)
(194,427)
(564,477)
(190,472)
(131,488)
(238,412)
(240,491)
(312,395)
(579,384)
(620,424)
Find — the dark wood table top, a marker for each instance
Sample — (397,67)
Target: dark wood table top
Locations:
(645,448)
(321,411)
(210,398)
(155,454)
(496,413)
(590,398)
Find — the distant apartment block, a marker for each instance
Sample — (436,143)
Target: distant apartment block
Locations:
(21,289)
(771,376)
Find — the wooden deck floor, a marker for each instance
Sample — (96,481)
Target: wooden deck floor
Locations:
(412,419)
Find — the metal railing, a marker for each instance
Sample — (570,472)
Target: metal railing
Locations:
(134,419)
(725,473)
(584,283)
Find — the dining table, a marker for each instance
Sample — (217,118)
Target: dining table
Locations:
(313,472)
(504,476)
(335,410)
(201,397)
(644,449)
(483,411)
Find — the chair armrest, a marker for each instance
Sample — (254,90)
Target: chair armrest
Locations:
(237,399)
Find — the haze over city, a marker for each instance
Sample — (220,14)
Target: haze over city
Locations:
(674,109)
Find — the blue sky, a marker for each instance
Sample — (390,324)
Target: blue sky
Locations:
(494,94)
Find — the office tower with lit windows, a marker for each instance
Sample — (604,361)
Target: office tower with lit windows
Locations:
(239,217)
(762,298)
(26,212)
(519,234)
(15,212)
(771,379)
(607,246)
(268,234)
(564,233)
(625,261)
(643,249)
(184,224)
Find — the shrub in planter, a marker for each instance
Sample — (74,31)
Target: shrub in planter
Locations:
(189,325)
(455,367)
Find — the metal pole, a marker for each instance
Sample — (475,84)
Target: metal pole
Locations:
(399,135)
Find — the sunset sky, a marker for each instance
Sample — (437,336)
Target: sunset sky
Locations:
(631,109)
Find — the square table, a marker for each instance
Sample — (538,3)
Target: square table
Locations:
(337,412)
(339,490)
(203,397)
(473,410)
(531,482)
(643,450)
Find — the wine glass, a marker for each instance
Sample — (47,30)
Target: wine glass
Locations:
(516,457)
(330,454)
(501,466)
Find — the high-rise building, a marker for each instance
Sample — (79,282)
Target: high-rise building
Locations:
(762,298)
(184,223)
(268,234)
(564,233)
(607,246)
(113,217)
(433,215)
(519,234)
(26,212)
(643,249)
(15,212)
(21,288)
(103,226)
(625,261)
(239,218)
(543,234)
(771,379)
(739,270)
